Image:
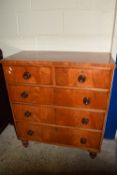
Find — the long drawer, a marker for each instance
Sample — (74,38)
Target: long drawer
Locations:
(58,96)
(28,74)
(59,135)
(59,116)
(93,78)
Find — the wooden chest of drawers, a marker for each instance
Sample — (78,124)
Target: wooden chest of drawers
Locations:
(60,97)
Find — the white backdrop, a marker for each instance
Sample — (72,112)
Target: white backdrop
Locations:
(80,25)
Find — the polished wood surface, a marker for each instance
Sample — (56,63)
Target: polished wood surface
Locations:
(28,74)
(62,76)
(83,57)
(34,113)
(71,59)
(60,97)
(79,118)
(75,98)
(59,116)
(34,94)
(74,77)
(60,135)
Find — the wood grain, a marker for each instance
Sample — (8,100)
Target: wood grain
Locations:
(38,75)
(95,57)
(37,58)
(69,117)
(60,135)
(74,98)
(39,114)
(59,116)
(59,96)
(93,78)
(35,94)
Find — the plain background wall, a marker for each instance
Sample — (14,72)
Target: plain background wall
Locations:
(114,43)
(76,25)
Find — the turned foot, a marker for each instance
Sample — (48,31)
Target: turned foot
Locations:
(25,143)
(93,155)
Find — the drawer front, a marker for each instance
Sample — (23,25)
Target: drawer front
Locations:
(28,74)
(83,77)
(59,116)
(80,119)
(34,113)
(69,136)
(59,135)
(28,131)
(31,94)
(81,98)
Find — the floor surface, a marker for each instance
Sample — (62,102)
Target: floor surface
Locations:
(41,158)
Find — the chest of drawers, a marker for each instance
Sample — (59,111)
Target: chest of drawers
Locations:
(60,97)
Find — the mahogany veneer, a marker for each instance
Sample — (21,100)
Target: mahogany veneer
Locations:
(60,97)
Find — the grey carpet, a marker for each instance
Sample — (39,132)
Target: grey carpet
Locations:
(41,158)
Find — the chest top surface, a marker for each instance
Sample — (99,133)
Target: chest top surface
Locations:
(65,58)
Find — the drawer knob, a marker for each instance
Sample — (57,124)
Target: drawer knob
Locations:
(85,121)
(27,114)
(82,78)
(24,94)
(83,140)
(26,75)
(30,132)
(86,100)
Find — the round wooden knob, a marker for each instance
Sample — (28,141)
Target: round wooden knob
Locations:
(27,114)
(85,121)
(83,140)
(26,75)
(82,78)
(30,132)
(86,100)
(24,94)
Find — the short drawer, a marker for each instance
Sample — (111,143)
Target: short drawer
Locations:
(31,94)
(59,135)
(28,74)
(81,98)
(96,78)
